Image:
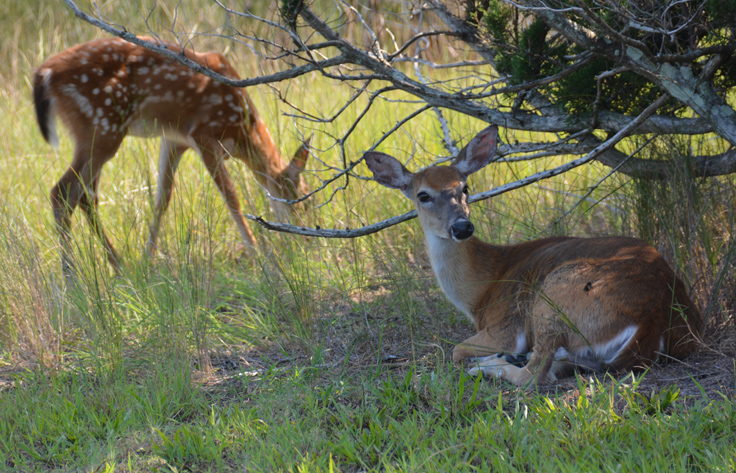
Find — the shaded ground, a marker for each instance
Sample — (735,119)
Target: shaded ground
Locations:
(368,332)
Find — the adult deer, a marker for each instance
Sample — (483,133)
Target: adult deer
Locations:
(106,89)
(587,302)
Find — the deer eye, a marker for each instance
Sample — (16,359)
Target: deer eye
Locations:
(424,197)
(466,190)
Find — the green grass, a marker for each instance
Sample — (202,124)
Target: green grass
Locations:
(412,421)
(329,355)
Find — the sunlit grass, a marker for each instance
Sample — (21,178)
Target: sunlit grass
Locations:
(112,374)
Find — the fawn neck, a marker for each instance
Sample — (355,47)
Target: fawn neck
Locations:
(260,153)
(262,156)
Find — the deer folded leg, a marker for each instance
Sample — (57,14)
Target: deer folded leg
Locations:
(480,345)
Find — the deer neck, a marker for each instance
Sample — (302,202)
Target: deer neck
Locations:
(262,156)
(257,148)
(463,269)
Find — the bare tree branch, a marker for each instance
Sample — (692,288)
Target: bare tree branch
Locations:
(368,229)
(634,59)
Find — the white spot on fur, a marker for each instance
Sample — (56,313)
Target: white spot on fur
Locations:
(83,78)
(108,89)
(82,101)
(95,91)
(144,70)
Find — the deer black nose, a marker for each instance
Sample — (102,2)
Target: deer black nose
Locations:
(462,229)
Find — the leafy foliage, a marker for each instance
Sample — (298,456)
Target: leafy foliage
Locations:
(530,50)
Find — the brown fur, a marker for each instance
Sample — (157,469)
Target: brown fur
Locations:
(601,285)
(606,302)
(108,88)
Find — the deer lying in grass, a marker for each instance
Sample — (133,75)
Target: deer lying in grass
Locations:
(106,89)
(585,302)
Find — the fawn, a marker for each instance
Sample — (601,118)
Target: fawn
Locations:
(109,88)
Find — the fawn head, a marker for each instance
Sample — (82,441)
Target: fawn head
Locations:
(440,193)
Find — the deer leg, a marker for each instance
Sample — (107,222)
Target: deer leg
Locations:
(89,204)
(540,368)
(168,161)
(536,371)
(78,186)
(65,196)
(482,344)
(550,328)
(485,354)
(88,201)
(216,168)
(485,345)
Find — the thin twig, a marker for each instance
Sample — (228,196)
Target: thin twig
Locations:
(375,227)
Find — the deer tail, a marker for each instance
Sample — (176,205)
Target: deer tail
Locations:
(42,101)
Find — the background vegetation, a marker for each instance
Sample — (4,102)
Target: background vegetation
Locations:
(318,355)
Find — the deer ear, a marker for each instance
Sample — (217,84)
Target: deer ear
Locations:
(299,161)
(478,153)
(388,171)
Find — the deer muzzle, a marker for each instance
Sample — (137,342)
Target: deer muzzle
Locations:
(461,229)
